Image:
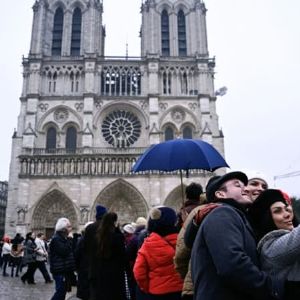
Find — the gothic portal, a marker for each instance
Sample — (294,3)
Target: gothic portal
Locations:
(85,118)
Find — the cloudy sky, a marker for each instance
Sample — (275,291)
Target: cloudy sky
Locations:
(257,48)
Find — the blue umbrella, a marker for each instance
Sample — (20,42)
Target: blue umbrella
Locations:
(182,155)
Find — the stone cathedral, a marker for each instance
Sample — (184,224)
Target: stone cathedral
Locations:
(85,117)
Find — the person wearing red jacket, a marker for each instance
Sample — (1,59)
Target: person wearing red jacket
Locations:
(154,268)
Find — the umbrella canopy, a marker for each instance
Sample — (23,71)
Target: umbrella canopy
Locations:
(180,154)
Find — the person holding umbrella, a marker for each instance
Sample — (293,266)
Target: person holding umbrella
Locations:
(192,193)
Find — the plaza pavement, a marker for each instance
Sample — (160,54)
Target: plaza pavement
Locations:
(12,288)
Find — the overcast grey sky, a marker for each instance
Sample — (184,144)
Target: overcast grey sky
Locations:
(257,49)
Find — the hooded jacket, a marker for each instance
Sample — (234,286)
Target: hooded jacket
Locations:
(154,268)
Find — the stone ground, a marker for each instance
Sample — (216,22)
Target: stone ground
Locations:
(12,288)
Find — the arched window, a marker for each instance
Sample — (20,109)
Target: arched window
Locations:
(51,138)
(71,138)
(187,132)
(181,33)
(57,32)
(165,34)
(76,32)
(169,133)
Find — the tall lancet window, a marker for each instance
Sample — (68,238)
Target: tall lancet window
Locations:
(57,32)
(181,33)
(71,138)
(187,132)
(165,34)
(76,32)
(51,138)
(169,133)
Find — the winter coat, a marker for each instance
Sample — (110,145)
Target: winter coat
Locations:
(81,260)
(224,259)
(154,267)
(29,251)
(280,254)
(61,255)
(183,256)
(6,249)
(107,275)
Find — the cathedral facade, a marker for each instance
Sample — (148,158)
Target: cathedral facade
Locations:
(85,118)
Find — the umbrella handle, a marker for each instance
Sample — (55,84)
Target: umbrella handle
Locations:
(182,193)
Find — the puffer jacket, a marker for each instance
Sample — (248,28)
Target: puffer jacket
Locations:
(61,255)
(154,268)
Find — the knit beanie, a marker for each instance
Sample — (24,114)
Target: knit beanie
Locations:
(140,221)
(100,211)
(161,217)
(260,214)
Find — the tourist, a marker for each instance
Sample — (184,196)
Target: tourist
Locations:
(154,267)
(192,193)
(29,258)
(17,254)
(42,256)
(6,249)
(256,184)
(279,246)
(82,267)
(107,273)
(62,263)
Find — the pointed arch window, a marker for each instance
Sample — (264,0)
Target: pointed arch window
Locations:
(57,32)
(187,132)
(51,138)
(181,33)
(169,133)
(76,32)
(165,34)
(71,138)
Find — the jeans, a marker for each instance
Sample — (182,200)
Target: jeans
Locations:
(60,289)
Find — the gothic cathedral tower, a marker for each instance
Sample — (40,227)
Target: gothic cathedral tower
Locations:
(85,118)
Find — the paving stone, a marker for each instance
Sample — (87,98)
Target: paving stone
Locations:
(12,288)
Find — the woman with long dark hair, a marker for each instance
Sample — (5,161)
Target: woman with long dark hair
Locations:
(278,233)
(107,274)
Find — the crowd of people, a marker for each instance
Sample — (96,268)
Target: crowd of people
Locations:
(238,240)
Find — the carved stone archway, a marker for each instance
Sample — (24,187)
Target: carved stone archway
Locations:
(50,208)
(174,199)
(124,199)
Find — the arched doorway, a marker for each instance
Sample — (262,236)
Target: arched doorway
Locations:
(124,199)
(174,199)
(50,208)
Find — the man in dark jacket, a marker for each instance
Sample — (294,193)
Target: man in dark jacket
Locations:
(62,263)
(224,257)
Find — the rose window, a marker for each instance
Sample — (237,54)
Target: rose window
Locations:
(121,128)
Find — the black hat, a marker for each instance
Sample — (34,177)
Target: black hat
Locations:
(216,182)
(263,203)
